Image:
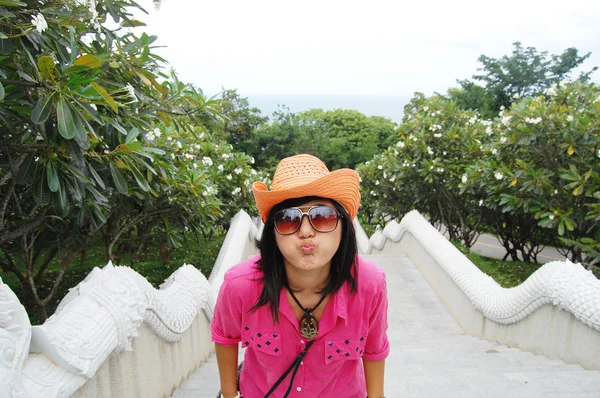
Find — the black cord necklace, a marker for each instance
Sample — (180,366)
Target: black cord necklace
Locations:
(309,326)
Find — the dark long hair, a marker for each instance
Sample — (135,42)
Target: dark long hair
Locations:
(271,262)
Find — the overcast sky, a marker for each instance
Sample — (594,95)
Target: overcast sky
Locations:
(358,47)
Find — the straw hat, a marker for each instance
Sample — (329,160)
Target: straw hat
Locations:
(306,175)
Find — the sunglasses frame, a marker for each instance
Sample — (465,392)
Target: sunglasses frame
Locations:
(305,213)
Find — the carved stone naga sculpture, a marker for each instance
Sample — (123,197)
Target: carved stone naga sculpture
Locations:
(99,316)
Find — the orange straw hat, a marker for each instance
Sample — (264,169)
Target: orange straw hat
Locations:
(306,175)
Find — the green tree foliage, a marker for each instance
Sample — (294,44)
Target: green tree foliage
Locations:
(95,136)
(529,176)
(240,119)
(341,138)
(544,163)
(525,73)
(436,142)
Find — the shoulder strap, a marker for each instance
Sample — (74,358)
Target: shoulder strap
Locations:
(295,365)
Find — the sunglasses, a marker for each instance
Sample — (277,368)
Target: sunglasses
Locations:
(322,218)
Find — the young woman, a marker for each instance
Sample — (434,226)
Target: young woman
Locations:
(310,312)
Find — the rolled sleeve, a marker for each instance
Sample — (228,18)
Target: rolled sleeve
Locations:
(227,319)
(377,347)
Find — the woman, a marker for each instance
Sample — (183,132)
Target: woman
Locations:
(310,312)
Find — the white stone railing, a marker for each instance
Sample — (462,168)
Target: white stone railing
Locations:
(114,334)
(555,312)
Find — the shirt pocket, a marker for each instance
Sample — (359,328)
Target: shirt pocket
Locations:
(266,343)
(350,348)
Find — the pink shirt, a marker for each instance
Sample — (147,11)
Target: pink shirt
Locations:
(353,326)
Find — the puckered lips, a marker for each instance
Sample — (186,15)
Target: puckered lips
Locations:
(307,247)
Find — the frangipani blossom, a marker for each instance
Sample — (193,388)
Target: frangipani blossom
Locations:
(39,22)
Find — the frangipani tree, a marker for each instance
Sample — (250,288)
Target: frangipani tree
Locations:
(95,135)
(436,143)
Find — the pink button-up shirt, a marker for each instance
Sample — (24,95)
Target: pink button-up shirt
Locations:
(353,326)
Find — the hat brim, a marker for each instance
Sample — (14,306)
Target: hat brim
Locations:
(339,185)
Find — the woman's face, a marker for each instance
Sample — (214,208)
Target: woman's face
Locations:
(307,249)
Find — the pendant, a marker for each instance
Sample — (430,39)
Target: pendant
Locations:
(309,326)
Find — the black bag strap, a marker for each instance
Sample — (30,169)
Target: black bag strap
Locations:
(295,365)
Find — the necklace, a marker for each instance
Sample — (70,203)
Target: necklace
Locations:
(309,326)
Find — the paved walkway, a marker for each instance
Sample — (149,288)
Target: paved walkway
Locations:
(432,357)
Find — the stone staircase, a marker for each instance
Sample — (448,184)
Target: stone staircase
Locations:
(432,357)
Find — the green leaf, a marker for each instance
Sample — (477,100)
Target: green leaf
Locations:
(41,193)
(133,134)
(52,174)
(154,150)
(12,3)
(6,46)
(142,182)
(42,109)
(26,170)
(107,97)
(135,146)
(1,92)
(561,228)
(96,176)
(60,201)
(47,68)
(118,179)
(88,60)
(66,124)
(81,135)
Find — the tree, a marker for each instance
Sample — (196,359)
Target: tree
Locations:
(240,119)
(525,73)
(92,140)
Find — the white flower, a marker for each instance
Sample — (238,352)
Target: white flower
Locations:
(178,144)
(131,92)
(426,108)
(506,120)
(229,177)
(498,175)
(437,135)
(380,167)
(169,138)
(551,216)
(429,151)
(209,190)
(225,156)
(440,169)
(392,179)
(494,151)
(570,118)
(412,137)
(444,153)
(464,179)
(207,161)
(251,160)
(598,153)
(502,140)
(236,191)
(189,156)
(480,202)
(220,167)
(238,170)
(488,130)
(502,108)
(377,182)
(373,193)
(555,191)
(551,91)
(39,22)
(195,165)
(172,156)
(533,120)
(473,120)
(253,172)
(400,144)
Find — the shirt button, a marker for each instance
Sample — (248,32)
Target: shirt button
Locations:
(298,389)
(301,362)
(301,341)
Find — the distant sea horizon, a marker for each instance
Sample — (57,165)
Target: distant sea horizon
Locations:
(389,106)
